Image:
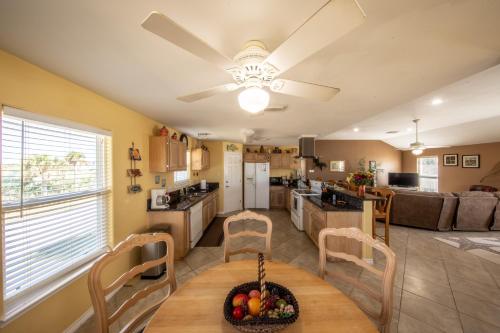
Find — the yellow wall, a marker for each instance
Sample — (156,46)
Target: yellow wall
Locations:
(33,89)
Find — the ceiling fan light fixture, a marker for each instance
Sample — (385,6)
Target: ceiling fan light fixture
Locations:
(417,151)
(253,99)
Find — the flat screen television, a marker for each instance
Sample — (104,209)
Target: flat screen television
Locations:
(403,179)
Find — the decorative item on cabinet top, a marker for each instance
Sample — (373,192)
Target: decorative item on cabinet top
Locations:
(134,172)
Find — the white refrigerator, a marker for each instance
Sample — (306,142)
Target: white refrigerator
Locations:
(256,185)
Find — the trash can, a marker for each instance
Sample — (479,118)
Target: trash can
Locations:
(154,251)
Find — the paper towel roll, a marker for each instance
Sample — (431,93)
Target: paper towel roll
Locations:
(203,184)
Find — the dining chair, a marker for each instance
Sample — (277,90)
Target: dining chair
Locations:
(382,210)
(241,217)
(386,276)
(98,292)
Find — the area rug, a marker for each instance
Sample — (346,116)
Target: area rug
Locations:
(214,235)
(487,248)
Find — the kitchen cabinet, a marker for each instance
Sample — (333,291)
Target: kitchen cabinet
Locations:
(318,222)
(286,161)
(256,157)
(166,154)
(277,197)
(179,228)
(200,159)
(288,203)
(306,218)
(275,161)
(209,209)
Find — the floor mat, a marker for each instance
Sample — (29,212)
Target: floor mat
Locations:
(485,247)
(214,234)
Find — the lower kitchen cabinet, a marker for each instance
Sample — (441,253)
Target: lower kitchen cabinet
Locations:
(277,196)
(315,219)
(288,199)
(179,222)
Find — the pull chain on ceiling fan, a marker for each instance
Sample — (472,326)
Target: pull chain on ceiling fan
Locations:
(255,68)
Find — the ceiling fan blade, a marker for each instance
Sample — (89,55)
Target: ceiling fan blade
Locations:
(208,92)
(335,19)
(164,27)
(303,89)
(276,108)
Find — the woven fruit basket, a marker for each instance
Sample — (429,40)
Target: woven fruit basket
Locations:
(260,306)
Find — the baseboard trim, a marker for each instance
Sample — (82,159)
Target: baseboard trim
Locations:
(86,316)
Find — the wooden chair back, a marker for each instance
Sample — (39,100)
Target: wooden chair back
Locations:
(98,292)
(384,206)
(385,297)
(247,215)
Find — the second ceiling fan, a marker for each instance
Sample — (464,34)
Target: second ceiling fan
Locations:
(255,68)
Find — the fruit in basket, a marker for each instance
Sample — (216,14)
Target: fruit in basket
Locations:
(240,299)
(270,302)
(248,317)
(254,306)
(281,303)
(287,312)
(238,313)
(254,293)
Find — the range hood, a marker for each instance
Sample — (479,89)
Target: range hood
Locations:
(306,147)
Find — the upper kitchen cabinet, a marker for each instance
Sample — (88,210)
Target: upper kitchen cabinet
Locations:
(166,154)
(276,160)
(200,159)
(256,157)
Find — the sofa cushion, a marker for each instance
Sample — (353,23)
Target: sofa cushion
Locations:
(448,211)
(496,218)
(475,211)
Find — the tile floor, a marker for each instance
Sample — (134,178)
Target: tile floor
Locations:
(438,288)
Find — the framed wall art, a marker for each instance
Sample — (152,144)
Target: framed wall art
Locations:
(450,160)
(337,166)
(470,161)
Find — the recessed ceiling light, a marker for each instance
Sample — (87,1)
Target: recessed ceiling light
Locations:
(355,129)
(437,101)
(391,132)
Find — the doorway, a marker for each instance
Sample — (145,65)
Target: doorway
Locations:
(233,189)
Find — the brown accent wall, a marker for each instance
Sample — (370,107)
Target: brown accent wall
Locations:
(351,151)
(456,178)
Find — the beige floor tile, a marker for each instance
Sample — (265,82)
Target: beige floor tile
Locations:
(426,269)
(407,324)
(477,308)
(198,257)
(425,288)
(431,313)
(473,325)
(476,289)
(468,273)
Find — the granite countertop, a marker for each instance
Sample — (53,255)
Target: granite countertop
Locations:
(328,207)
(366,197)
(183,204)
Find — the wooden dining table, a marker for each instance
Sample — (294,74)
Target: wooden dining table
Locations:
(197,306)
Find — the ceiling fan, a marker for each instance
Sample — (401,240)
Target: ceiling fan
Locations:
(417,147)
(255,68)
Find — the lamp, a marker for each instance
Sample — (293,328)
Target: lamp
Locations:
(253,99)
(417,151)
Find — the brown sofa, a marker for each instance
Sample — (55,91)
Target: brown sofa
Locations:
(428,210)
(496,218)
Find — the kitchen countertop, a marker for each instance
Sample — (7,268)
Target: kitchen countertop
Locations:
(184,204)
(328,207)
(366,197)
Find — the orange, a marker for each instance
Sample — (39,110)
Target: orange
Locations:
(254,306)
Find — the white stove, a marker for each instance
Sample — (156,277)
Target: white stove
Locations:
(297,202)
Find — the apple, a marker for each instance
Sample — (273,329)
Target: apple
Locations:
(238,313)
(240,299)
(254,293)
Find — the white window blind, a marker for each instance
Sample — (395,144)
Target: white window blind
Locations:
(182,177)
(56,183)
(427,167)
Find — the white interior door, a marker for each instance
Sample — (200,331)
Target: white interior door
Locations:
(233,189)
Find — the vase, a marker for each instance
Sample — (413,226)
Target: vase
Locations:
(361,190)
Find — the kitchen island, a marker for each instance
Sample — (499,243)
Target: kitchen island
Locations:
(350,210)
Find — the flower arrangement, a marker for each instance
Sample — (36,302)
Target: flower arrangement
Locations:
(361,178)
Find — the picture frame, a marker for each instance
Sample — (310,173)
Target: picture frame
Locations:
(470,161)
(337,166)
(450,159)
(372,166)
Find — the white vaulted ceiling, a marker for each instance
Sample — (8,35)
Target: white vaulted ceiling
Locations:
(406,53)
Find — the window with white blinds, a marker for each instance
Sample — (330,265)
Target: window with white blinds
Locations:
(56,182)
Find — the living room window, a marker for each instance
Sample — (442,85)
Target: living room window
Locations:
(56,197)
(427,167)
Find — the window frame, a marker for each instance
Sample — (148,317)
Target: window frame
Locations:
(25,300)
(184,182)
(420,176)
